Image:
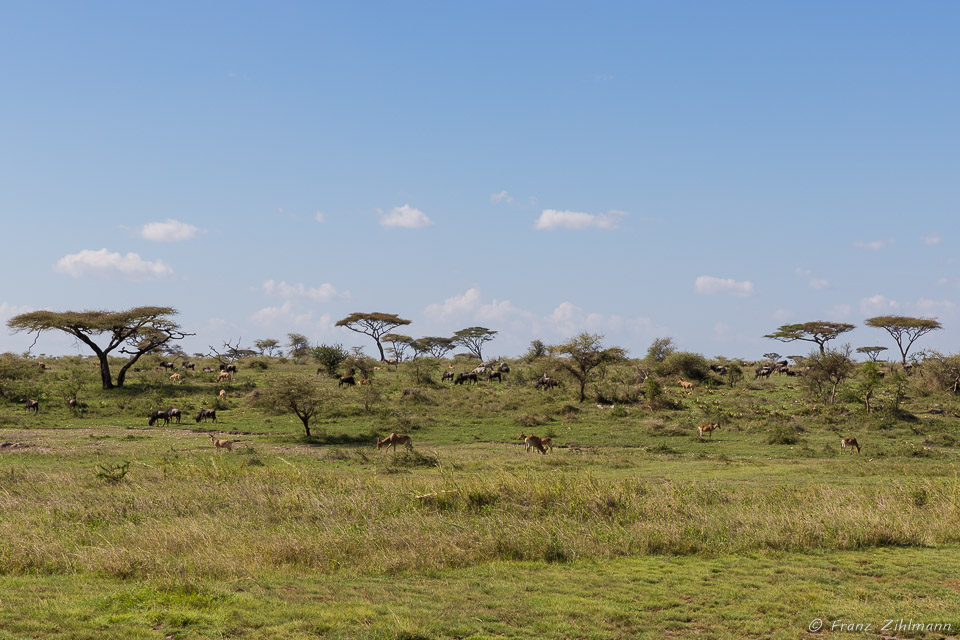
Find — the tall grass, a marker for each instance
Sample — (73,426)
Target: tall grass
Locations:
(229,518)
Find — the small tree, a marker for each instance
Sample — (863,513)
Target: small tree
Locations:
(872,352)
(904,330)
(869,382)
(818,332)
(297,345)
(831,367)
(536,351)
(375,325)
(585,353)
(293,394)
(439,347)
(267,346)
(330,357)
(473,338)
(398,345)
(134,332)
(660,349)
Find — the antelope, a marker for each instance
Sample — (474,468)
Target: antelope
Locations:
(224,375)
(363,381)
(222,444)
(708,428)
(532,442)
(547,443)
(393,440)
(688,386)
(177,378)
(849,442)
(222,394)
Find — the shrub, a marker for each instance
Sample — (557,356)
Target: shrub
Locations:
(688,365)
(258,364)
(783,434)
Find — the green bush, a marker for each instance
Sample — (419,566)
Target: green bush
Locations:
(692,366)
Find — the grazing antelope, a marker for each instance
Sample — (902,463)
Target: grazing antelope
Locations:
(363,381)
(222,394)
(849,442)
(222,444)
(547,443)
(224,375)
(708,428)
(393,440)
(532,442)
(177,378)
(688,386)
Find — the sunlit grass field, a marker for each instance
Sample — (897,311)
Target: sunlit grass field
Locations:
(631,527)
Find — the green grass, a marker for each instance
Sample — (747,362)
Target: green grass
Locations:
(631,527)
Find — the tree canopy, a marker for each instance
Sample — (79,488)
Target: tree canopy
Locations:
(473,338)
(294,394)
(904,329)
(818,331)
(584,354)
(375,325)
(872,352)
(133,332)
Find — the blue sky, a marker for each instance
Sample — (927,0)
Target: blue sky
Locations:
(705,171)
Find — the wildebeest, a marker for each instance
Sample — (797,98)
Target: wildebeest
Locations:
(480,370)
(72,403)
(189,365)
(207,414)
(32,405)
(546,382)
(167,365)
(463,377)
(229,368)
(158,415)
(173,413)
(504,368)
(495,374)
(208,369)
(762,372)
(347,380)
(719,368)
(447,375)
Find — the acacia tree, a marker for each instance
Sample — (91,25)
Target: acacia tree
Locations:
(904,329)
(298,344)
(375,325)
(267,346)
(584,354)
(473,338)
(398,345)
(134,332)
(830,367)
(872,352)
(439,347)
(818,331)
(293,394)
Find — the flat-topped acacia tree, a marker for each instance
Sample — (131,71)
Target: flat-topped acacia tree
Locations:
(904,329)
(818,331)
(375,325)
(134,332)
(473,338)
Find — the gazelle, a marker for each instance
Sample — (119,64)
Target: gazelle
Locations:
(222,444)
(687,386)
(708,428)
(547,443)
(177,378)
(393,440)
(532,442)
(849,442)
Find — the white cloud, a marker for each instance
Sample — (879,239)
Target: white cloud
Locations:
(406,217)
(840,312)
(932,238)
(782,315)
(874,245)
(454,306)
(932,308)
(112,266)
(287,315)
(708,285)
(324,293)
(7,311)
(878,305)
(818,283)
(803,272)
(168,231)
(320,217)
(554,219)
(502,196)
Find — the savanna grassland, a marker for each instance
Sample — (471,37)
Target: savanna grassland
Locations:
(631,526)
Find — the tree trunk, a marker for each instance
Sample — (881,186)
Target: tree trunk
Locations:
(306,424)
(833,394)
(383,356)
(105,378)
